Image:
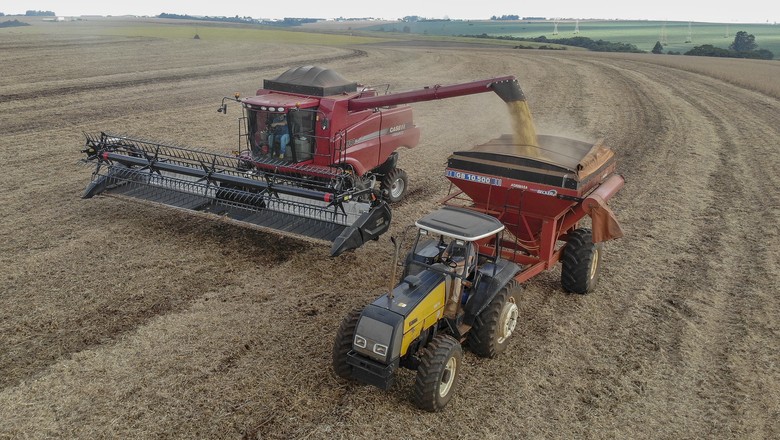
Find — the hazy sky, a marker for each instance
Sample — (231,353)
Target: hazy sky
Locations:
(673,10)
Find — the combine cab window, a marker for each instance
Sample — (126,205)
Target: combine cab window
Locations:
(300,127)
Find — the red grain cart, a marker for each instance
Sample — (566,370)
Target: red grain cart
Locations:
(542,198)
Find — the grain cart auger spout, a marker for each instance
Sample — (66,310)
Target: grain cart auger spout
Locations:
(317,158)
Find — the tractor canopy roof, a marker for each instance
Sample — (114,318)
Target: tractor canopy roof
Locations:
(311,80)
(460,223)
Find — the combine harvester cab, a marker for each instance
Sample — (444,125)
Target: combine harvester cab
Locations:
(317,158)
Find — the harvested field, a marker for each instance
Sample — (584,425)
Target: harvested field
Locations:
(122,320)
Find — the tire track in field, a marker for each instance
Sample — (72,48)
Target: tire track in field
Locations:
(703,321)
(93,87)
(732,302)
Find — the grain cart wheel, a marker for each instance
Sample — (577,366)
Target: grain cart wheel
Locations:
(437,375)
(394,185)
(581,262)
(343,344)
(492,328)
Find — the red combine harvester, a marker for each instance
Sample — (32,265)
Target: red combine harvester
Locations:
(318,158)
(512,216)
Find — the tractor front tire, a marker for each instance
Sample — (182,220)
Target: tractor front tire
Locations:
(343,344)
(581,262)
(492,328)
(394,185)
(437,374)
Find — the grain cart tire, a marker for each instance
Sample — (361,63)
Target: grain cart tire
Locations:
(581,261)
(394,185)
(492,328)
(343,344)
(437,374)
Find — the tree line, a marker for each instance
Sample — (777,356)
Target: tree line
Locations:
(743,46)
(287,21)
(585,42)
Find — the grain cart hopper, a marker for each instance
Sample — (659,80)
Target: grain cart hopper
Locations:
(333,182)
(511,217)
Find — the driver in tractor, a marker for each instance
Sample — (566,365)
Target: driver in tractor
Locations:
(460,256)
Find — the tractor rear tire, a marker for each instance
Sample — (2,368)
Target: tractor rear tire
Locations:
(437,374)
(581,262)
(394,185)
(343,344)
(492,328)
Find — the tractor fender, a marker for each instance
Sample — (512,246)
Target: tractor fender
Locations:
(491,278)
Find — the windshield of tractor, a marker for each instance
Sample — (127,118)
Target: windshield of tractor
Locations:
(283,135)
(431,248)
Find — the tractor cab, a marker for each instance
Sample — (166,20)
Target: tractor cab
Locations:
(448,241)
(451,237)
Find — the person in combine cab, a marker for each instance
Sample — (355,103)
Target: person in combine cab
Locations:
(279,130)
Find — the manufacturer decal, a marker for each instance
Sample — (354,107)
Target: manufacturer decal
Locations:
(549,192)
(396,128)
(474,178)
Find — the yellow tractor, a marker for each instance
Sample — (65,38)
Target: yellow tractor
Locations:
(451,292)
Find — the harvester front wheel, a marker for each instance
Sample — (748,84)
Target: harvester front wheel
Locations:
(437,375)
(492,328)
(394,185)
(581,262)
(343,344)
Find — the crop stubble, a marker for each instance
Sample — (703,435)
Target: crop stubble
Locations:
(120,319)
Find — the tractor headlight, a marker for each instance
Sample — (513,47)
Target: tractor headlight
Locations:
(360,341)
(380,349)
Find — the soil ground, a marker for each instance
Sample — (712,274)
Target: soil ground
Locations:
(122,320)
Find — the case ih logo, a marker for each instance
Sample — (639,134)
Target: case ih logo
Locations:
(474,178)
(397,128)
